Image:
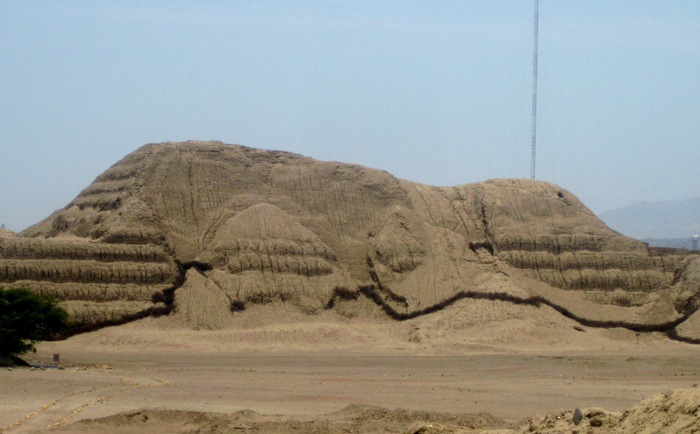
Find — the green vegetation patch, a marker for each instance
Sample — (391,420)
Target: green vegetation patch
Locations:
(26,319)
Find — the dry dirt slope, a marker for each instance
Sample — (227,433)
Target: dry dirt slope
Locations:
(268,226)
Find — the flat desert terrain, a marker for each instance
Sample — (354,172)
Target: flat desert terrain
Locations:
(106,386)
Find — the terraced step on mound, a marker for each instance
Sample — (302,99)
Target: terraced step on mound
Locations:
(96,282)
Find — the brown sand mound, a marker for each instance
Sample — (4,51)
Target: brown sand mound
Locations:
(670,412)
(354,419)
(264,227)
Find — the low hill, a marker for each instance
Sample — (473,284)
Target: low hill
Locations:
(213,229)
(657,220)
(676,243)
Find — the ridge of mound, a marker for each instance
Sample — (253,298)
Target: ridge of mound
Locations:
(272,226)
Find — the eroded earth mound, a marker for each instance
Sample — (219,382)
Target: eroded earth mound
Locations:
(215,229)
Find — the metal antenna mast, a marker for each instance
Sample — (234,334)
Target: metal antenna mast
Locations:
(534,91)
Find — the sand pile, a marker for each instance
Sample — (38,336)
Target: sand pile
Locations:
(355,418)
(675,411)
(671,412)
(262,227)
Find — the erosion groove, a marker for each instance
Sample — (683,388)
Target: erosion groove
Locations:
(341,294)
(476,245)
(371,292)
(386,291)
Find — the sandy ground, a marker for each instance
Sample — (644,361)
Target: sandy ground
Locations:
(309,384)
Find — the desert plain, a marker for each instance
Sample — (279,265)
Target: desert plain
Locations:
(329,376)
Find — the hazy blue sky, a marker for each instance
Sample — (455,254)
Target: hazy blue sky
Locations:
(432,91)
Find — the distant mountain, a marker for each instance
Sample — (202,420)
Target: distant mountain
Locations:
(664,219)
(676,243)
